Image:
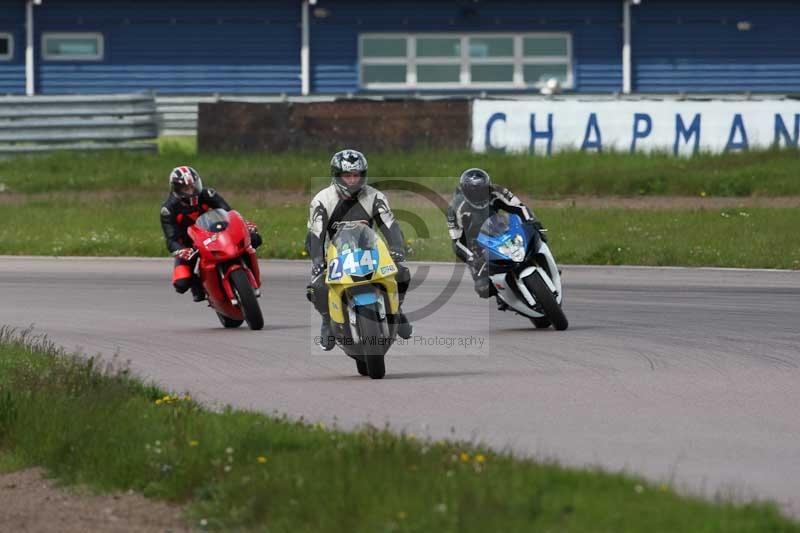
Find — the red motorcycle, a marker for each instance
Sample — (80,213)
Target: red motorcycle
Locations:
(228,267)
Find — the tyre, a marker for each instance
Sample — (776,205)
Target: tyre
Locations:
(542,293)
(248,303)
(361,366)
(541,322)
(372,340)
(229,322)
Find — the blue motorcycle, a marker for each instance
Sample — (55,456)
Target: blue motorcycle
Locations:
(523,270)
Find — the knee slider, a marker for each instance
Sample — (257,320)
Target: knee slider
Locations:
(311,294)
(484,287)
(182,285)
(403,274)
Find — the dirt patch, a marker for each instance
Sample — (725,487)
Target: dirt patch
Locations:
(400,199)
(29,502)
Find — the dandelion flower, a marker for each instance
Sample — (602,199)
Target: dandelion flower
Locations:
(639,489)
(204,522)
(229,450)
(480,458)
(261,459)
(194,443)
(464,457)
(401,515)
(159,401)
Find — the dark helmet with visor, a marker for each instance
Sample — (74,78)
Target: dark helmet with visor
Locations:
(186,184)
(348,162)
(476,186)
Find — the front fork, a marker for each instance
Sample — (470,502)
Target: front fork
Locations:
(253,275)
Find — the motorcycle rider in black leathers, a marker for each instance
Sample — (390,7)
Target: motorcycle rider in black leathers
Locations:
(474,201)
(349,198)
(186,202)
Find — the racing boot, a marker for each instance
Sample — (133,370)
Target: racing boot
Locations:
(404,328)
(198,293)
(326,339)
(501,305)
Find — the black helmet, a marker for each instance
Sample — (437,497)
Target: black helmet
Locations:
(476,186)
(186,184)
(345,162)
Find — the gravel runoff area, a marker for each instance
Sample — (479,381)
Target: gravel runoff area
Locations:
(29,502)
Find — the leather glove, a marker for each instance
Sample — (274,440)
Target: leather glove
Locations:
(539,228)
(184,253)
(255,239)
(252,228)
(317,269)
(397,256)
(542,233)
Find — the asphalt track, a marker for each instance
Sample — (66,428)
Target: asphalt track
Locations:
(689,376)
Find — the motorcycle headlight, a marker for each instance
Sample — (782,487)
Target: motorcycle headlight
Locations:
(513,248)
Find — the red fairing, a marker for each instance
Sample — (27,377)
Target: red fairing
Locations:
(227,245)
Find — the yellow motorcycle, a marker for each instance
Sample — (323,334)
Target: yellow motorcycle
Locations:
(362,295)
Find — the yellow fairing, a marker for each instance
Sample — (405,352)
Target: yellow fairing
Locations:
(383,275)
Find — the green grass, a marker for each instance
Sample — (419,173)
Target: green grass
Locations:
(737,237)
(91,423)
(767,173)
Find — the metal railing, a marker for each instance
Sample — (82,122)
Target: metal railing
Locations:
(30,124)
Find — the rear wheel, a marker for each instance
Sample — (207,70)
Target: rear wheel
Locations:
(229,322)
(361,366)
(373,342)
(547,300)
(247,299)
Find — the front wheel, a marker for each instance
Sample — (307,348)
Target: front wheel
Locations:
(547,300)
(248,303)
(373,342)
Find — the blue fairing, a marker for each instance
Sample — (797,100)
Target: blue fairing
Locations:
(365,298)
(490,243)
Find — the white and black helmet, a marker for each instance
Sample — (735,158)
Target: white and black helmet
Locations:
(186,184)
(476,186)
(348,161)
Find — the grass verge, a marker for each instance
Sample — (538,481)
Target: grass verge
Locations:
(767,173)
(93,423)
(731,237)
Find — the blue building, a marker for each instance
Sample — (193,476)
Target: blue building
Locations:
(417,46)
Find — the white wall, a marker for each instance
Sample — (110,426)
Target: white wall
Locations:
(543,126)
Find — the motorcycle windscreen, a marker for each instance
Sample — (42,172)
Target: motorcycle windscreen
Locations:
(502,234)
(357,248)
(213,221)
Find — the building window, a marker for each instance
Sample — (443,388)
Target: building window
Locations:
(465,61)
(6,47)
(72,46)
